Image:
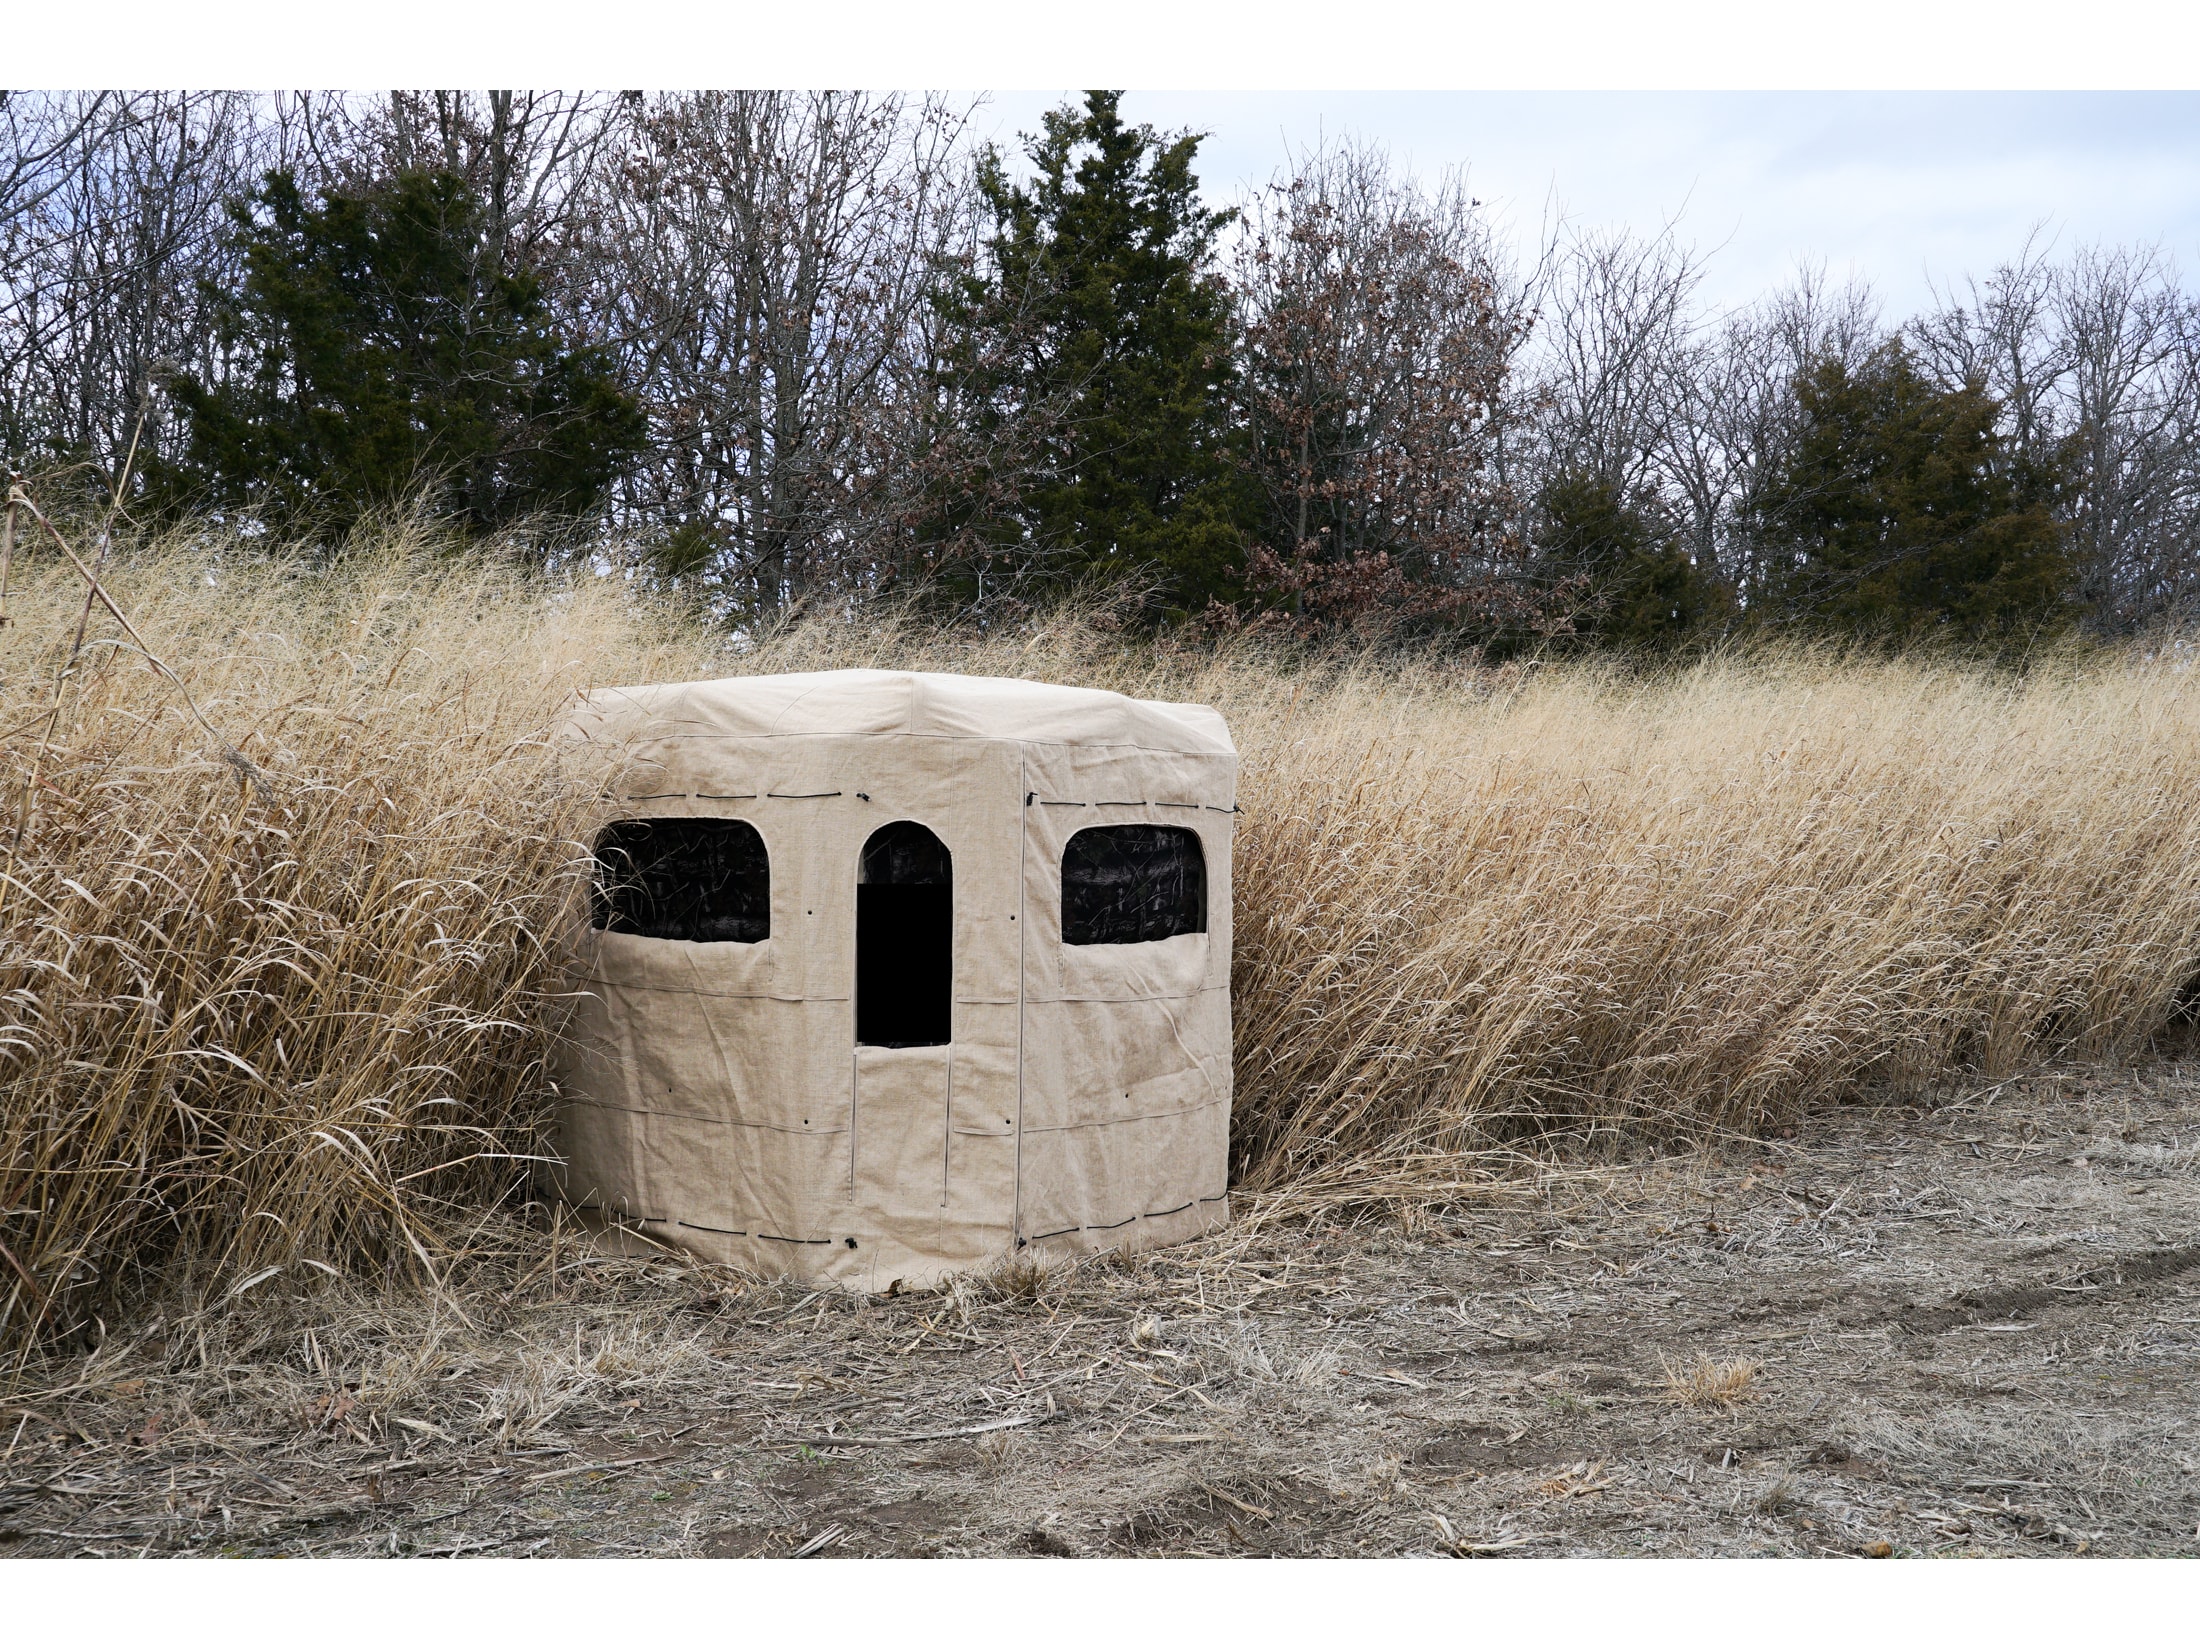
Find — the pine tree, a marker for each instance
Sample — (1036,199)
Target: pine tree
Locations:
(1904,512)
(1641,590)
(1094,343)
(379,354)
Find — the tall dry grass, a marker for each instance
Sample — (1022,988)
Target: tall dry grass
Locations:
(1704,901)
(249,1018)
(297,1016)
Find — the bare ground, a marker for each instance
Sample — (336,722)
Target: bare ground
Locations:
(1970,1330)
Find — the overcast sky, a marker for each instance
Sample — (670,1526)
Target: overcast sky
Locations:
(1898,187)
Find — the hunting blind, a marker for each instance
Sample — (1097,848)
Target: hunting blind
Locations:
(890,974)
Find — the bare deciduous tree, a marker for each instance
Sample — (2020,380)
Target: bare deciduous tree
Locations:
(767,261)
(1615,325)
(116,222)
(1733,419)
(2096,363)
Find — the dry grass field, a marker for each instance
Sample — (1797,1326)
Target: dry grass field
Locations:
(289,865)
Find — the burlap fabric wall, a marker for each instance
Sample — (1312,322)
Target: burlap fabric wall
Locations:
(714,1096)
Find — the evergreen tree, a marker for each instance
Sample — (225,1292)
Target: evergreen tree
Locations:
(1641,589)
(1094,345)
(1903,511)
(378,352)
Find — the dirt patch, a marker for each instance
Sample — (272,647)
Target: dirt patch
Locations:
(1483,1450)
(915,1514)
(750,1541)
(808,1480)
(1974,1329)
(2138,1271)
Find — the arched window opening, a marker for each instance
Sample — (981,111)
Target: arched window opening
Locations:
(683,879)
(905,922)
(1126,884)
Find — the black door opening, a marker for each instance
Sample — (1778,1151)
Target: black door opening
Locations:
(905,922)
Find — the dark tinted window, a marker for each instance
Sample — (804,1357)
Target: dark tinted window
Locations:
(683,879)
(1123,884)
(905,924)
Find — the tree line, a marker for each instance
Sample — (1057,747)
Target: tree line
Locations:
(780,348)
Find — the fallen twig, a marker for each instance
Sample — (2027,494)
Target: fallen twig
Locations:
(596,1466)
(838,1441)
